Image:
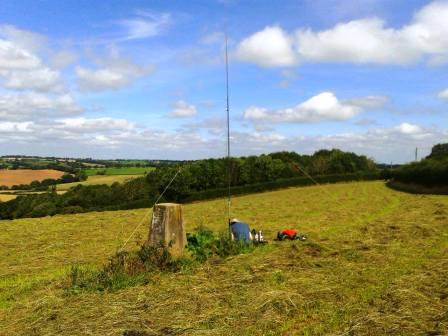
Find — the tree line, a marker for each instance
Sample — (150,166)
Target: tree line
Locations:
(430,172)
(198,180)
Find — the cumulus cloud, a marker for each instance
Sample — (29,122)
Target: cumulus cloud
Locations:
(182,109)
(13,57)
(114,73)
(322,107)
(443,94)
(360,41)
(43,79)
(146,24)
(31,106)
(367,40)
(20,67)
(407,128)
(270,47)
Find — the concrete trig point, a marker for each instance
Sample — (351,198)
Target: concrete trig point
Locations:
(167,225)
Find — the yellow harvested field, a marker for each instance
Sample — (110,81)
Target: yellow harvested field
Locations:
(26,176)
(98,179)
(8,197)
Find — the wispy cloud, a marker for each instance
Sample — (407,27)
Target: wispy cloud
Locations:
(144,25)
(443,94)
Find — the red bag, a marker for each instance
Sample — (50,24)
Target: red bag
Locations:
(290,233)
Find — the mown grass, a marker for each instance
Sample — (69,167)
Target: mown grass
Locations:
(374,264)
(118,171)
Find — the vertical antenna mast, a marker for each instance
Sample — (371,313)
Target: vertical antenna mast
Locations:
(228,135)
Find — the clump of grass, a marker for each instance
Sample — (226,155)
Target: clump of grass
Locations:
(126,269)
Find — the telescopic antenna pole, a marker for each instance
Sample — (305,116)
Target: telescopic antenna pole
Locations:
(228,134)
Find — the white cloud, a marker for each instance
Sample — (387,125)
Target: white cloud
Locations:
(32,106)
(147,24)
(360,41)
(367,40)
(13,57)
(182,109)
(443,94)
(83,125)
(23,38)
(105,137)
(15,127)
(43,79)
(322,107)
(115,73)
(100,79)
(270,47)
(20,67)
(407,128)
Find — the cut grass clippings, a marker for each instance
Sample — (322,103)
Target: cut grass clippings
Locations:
(374,264)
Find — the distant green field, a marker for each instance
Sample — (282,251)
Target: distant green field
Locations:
(119,171)
(374,264)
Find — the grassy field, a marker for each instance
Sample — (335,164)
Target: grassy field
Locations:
(26,176)
(119,171)
(374,264)
(98,179)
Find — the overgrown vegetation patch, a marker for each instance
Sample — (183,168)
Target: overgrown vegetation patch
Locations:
(126,269)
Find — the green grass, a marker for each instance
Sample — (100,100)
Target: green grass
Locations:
(374,264)
(119,171)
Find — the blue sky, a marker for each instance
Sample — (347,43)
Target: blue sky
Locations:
(145,79)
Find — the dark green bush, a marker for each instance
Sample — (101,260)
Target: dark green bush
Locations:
(203,244)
